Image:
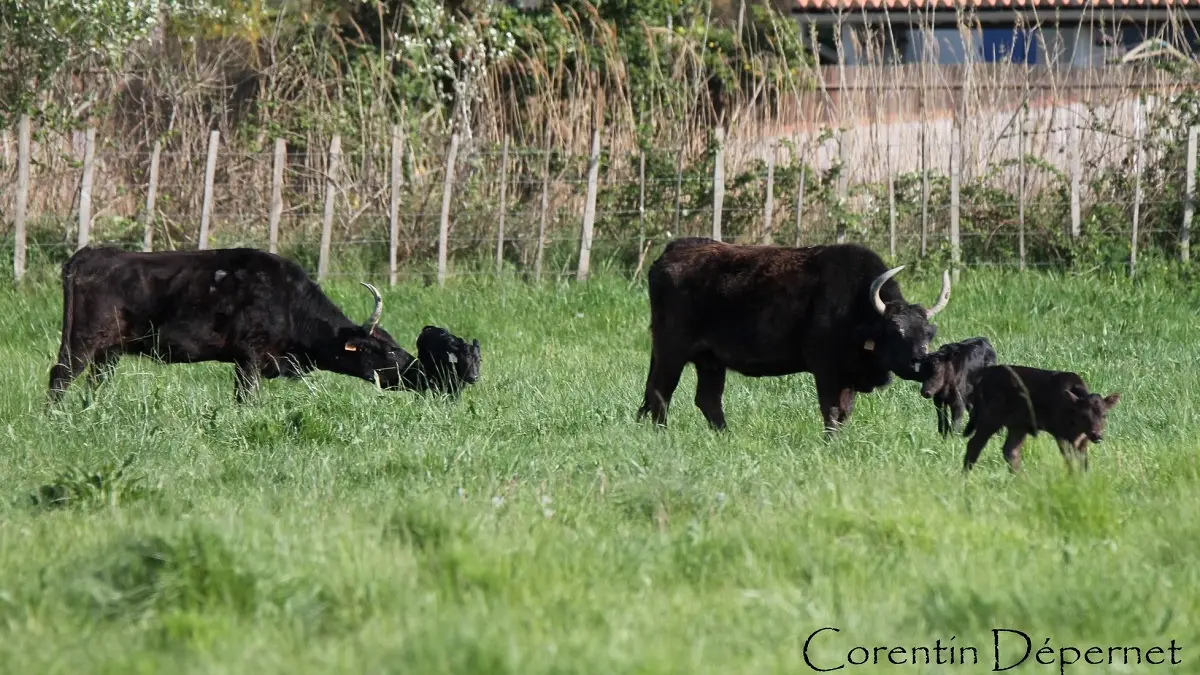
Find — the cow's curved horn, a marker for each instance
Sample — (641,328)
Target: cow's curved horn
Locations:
(943,299)
(375,315)
(878,284)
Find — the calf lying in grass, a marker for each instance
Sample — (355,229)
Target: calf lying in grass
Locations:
(949,373)
(1028,400)
(446,363)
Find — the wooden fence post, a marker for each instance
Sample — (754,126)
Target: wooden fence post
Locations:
(444,221)
(891,186)
(541,240)
(1073,145)
(276,211)
(331,170)
(641,199)
(1021,188)
(956,161)
(718,184)
(1189,206)
(678,189)
(769,205)
(23,162)
(1138,126)
(210,170)
(924,181)
(843,184)
(85,188)
(503,187)
(800,203)
(151,195)
(394,204)
(589,208)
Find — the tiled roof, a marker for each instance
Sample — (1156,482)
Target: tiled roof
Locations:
(905,5)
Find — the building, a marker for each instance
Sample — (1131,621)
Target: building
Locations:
(1064,33)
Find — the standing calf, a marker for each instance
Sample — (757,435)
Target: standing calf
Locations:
(949,373)
(1028,400)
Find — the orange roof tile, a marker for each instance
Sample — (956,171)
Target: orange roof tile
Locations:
(904,5)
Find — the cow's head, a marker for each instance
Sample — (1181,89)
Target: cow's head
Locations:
(904,340)
(1086,415)
(370,352)
(447,359)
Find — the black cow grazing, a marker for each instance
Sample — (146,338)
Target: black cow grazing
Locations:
(251,308)
(1028,400)
(447,361)
(833,311)
(949,374)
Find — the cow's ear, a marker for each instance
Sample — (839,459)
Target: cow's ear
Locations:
(1111,399)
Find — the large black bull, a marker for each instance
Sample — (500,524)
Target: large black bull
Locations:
(833,311)
(254,309)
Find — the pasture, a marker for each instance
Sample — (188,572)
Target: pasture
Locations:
(534,527)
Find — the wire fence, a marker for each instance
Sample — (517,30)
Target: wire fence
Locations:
(1032,189)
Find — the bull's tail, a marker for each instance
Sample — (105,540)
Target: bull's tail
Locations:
(68,322)
(66,368)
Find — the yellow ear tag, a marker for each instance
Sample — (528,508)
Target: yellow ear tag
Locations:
(869,345)
(351,348)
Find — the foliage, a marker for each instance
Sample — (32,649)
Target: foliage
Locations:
(38,38)
(112,484)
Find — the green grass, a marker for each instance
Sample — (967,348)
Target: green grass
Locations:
(534,527)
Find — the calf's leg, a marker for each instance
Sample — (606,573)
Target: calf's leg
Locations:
(943,423)
(957,408)
(1012,447)
(975,446)
(710,386)
(1072,454)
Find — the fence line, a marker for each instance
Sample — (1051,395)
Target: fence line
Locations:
(548,191)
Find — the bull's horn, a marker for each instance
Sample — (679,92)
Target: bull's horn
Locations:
(943,299)
(375,315)
(878,284)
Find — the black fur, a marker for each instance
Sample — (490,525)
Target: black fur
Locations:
(254,309)
(949,377)
(1027,400)
(447,361)
(768,310)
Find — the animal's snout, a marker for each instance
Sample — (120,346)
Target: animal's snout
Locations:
(925,393)
(1096,436)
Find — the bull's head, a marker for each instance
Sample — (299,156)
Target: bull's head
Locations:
(907,331)
(372,353)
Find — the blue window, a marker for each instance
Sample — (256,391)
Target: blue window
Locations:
(1009,43)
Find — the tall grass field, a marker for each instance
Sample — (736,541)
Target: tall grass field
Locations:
(532,526)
